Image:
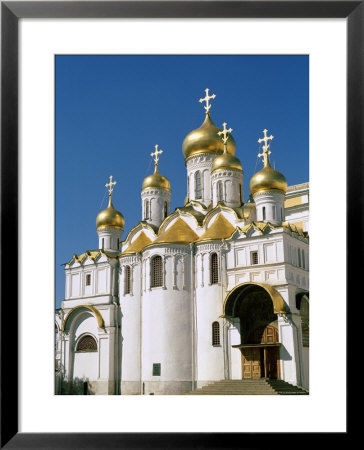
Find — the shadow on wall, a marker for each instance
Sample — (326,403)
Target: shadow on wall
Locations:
(77,386)
(284,354)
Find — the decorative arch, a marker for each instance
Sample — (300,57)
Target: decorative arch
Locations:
(100,320)
(236,294)
(86,343)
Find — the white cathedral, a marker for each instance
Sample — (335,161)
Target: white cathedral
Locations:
(216,290)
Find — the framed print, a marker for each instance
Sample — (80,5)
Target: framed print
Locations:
(62,63)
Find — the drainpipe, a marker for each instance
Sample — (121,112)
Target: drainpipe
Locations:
(225,334)
(140,322)
(194,324)
(115,265)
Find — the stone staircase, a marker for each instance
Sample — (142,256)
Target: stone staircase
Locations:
(261,386)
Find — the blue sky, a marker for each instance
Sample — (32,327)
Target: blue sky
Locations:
(111,110)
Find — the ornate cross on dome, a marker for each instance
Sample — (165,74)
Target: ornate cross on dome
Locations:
(265,147)
(225,132)
(110,185)
(206,99)
(156,153)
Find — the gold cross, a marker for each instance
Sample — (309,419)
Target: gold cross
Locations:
(206,99)
(265,147)
(156,153)
(110,185)
(225,133)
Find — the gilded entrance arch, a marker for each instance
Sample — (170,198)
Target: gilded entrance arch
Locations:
(257,305)
(279,305)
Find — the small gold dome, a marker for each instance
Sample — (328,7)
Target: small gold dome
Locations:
(267,179)
(205,139)
(226,161)
(110,217)
(156,180)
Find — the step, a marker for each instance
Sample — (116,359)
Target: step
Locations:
(261,386)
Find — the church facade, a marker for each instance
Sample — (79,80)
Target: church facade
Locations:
(217,289)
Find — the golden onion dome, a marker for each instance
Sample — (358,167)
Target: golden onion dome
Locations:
(267,179)
(110,217)
(226,161)
(206,139)
(156,180)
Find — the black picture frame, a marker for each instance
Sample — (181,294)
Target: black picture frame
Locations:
(11,12)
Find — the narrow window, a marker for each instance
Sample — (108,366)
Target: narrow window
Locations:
(156,370)
(86,344)
(103,243)
(274,212)
(198,184)
(220,192)
(263,212)
(299,257)
(214,269)
(127,280)
(118,243)
(303,259)
(254,258)
(88,279)
(165,209)
(215,333)
(281,213)
(146,209)
(241,194)
(157,271)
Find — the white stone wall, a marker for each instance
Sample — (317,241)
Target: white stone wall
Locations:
(130,325)
(211,360)
(232,182)
(167,321)
(109,238)
(273,202)
(101,282)
(156,198)
(203,164)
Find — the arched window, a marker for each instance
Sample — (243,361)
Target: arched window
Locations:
(165,209)
(274,212)
(146,209)
(215,333)
(127,280)
(263,212)
(198,184)
(214,269)
(156,272)
(220,192)
(86,344)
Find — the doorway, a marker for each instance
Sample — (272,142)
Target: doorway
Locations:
(260,355)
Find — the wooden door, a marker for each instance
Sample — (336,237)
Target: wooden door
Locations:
(272,362)
(251,364)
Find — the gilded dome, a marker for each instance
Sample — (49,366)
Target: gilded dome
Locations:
(110,217)
(267,179)
(205,139)
(226,161)
(156,180)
